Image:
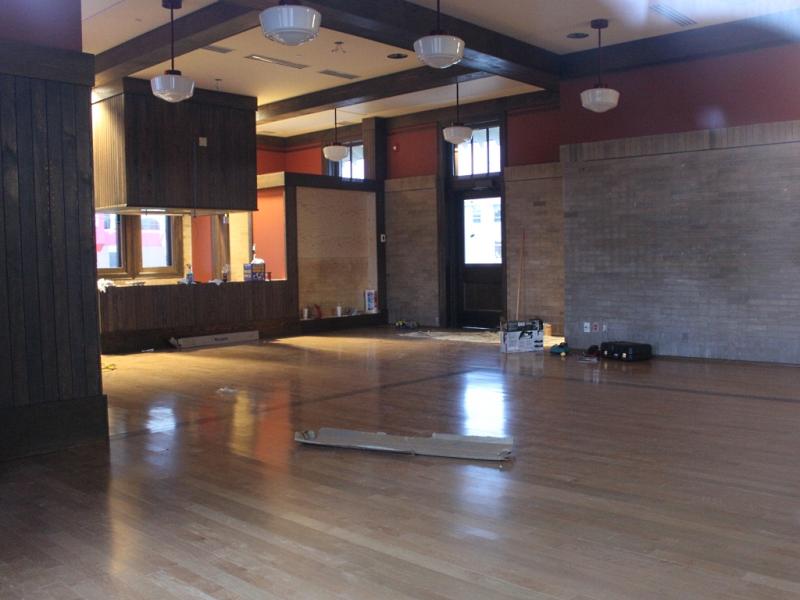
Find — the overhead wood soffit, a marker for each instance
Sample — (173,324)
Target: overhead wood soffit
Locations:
(396,23)
(714,40)
(385,86)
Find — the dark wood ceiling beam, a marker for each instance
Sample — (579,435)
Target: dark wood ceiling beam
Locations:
(715,40)
(196,30)
(377,88)
(399,23)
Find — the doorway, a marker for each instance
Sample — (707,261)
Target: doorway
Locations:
(479,286)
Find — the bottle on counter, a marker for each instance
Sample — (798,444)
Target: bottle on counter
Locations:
(226,269)
(189,274)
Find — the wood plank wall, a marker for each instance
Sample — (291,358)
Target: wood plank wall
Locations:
(51,392)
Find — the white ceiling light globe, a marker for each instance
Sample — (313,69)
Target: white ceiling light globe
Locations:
(336,152)
(457,134)
(172,86)
(290,24)
(439,50)
(599,99)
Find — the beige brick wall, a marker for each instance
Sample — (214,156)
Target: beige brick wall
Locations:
(688,242)
(534,204)
(412,266)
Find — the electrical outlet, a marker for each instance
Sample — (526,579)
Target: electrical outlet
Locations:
(605,327)
(595,327)
(587,327)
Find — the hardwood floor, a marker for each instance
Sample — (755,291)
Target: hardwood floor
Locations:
(674,479)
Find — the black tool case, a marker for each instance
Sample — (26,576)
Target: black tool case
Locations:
(626,351)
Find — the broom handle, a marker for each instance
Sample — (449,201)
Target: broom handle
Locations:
(519,276)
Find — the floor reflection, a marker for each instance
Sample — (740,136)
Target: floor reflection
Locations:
(160,418)
(484,404)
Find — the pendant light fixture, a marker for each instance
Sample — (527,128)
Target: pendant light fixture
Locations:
(290,23)
(335,152)
(172,86)
(457,133)
(439,50)
(600,98)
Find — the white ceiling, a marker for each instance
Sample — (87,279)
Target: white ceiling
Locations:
(271,82)
(472,91)
(108,23)
(543,23)
(546,23)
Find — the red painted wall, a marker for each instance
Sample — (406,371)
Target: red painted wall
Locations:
(533,137)
(54,23)
(269,231)
(736,89)
(412,151)
(201,248)
(304,160)
(270,161)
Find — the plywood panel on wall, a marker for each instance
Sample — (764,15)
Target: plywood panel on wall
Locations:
(337,247)
(412,247)
(694,252)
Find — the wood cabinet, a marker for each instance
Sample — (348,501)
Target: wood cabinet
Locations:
(198,155)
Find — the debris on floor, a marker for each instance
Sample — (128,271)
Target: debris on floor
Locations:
(438,444)
(109,367)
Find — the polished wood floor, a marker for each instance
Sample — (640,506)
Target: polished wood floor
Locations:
(668,480)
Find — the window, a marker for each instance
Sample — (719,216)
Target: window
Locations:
(351,167)
(132,246)
(483,238)
(108,241)
(480,155)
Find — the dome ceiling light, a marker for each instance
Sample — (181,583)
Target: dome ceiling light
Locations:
(457,133)
(335,152)
(290,23)
(600,98)
(172,86)
(439,50)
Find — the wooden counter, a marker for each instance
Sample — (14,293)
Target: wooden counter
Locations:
(137,318)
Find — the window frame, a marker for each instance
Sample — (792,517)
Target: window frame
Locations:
(130,231)
(333,168)
(485,125)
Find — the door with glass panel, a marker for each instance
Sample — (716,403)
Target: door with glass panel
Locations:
(480,286)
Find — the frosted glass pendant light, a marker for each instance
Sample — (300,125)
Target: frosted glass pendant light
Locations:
(335,152)
(172,86)
(457,133)
(290,24)
(600,98)
(439,50)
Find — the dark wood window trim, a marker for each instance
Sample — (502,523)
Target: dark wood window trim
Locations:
(131,259)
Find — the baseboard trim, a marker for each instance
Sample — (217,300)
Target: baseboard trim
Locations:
(52,426)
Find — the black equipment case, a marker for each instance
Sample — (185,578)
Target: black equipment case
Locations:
(626,351)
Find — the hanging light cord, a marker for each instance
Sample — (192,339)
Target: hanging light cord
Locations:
(335,127)
(438,15)
(458,105)
(172,36)
(599,57)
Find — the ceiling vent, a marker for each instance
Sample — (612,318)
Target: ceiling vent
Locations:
(218,49)
(338,74)
(276,61)
(673,15)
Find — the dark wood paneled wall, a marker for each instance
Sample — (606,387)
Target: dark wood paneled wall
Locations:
(51,393)
(134,318)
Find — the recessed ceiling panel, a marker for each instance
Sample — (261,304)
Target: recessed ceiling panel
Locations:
(325,64)
(547,23)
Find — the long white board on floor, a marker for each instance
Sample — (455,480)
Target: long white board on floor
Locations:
(220,339)
(439,444)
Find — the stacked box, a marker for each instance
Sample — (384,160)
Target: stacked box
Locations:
(522,336)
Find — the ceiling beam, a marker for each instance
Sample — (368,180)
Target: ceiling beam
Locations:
(399,23)
(377,88)
(196,30)
(714,40)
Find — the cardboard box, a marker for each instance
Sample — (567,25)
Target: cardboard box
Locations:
(522,336)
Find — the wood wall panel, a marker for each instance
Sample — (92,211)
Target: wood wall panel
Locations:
(49,351)
(152,314)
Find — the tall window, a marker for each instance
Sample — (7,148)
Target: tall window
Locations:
(480,155)
(132,246)
(351,167)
